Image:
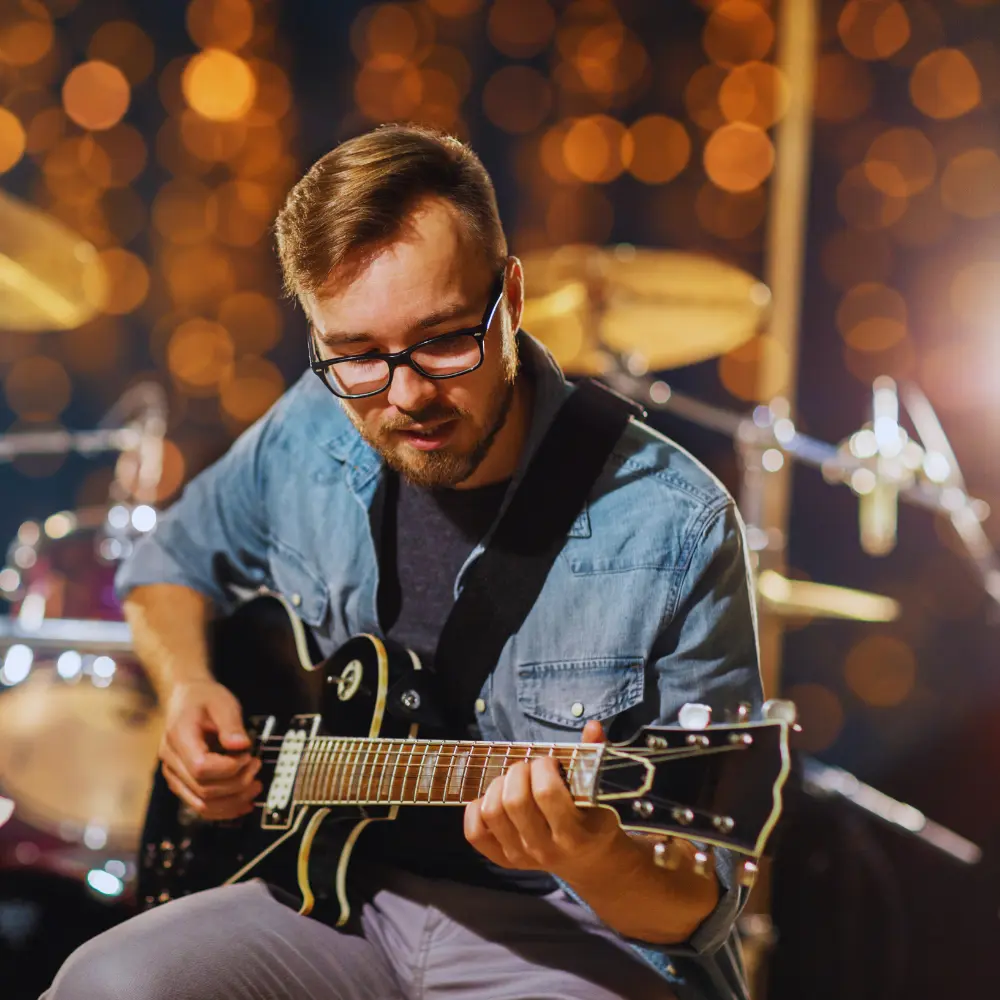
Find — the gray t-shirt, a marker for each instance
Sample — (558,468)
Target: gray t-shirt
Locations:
(426,536)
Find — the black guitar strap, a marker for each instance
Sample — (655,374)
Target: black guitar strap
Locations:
(502,585)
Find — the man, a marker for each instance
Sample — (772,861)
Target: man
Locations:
(393,245)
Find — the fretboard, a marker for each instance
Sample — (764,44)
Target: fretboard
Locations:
(336,771)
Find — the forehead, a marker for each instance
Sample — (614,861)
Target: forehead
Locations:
(435,261)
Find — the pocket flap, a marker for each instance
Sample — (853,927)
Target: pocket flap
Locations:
(570,692)
(299,585)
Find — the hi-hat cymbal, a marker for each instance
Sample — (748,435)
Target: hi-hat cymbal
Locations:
(50,277)
(666,307)
(804,598)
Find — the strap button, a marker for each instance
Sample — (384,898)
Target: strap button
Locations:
(480,706)
(296,600)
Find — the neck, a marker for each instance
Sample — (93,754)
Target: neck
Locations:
(408,772)
(502,459)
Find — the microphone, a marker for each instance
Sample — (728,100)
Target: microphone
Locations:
(878,510)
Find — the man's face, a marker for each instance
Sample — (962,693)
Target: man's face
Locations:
(433,280)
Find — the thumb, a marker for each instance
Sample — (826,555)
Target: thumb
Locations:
(224,711)
(593,732)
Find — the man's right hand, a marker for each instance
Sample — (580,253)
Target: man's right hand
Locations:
(201,717)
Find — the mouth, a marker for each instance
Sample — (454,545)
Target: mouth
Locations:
(429,438)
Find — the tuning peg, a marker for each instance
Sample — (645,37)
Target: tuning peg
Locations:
(780,710)
(694,715)
(746,874)
(740,713)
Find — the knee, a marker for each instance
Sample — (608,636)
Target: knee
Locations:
(103,970)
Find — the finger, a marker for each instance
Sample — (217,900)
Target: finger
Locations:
(479,836)
(562,817)
(212,788)
(227,719)
(500,826)
(593,732)
(180,789)
(187,738)
(231,807)
(519,804)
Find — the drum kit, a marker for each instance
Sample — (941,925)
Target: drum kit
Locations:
(79,723)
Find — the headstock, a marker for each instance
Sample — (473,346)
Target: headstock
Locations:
(716,784)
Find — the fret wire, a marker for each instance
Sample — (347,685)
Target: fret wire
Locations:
(409,765)
(355,774)
(327,759)
(448,773)
(571,771)
(336,780)
(376,766)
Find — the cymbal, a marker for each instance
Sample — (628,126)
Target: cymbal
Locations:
(804,598)
(51,278)
(73,753)
(665,307)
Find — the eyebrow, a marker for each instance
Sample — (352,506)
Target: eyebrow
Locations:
(336,338)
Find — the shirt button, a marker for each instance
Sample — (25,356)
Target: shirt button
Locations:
(480,706)
(296,599)
(577,709)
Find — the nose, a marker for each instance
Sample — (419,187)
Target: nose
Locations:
(410,391)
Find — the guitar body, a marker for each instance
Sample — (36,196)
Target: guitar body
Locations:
(269,660)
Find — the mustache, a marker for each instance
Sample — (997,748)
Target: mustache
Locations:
(429,415)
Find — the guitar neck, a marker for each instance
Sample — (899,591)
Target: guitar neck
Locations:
(336,771)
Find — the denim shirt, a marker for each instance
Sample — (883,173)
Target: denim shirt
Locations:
(646,607)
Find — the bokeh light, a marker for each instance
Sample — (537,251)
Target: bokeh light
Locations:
(820,714)
(454,8)
(945,84)
(221,24)
(873,29)
(184,211)
(656,149)
(219,85)
(738,31)
(872,317)
(253,320)
(96,95)
(387,95)
(242,212)
(251,387)
(517,99)
(757,370)
(26,35)
(126,152)
(739,157)
(881,670)
(37,388)
(975,293)
(551,153)
(127,281)
(728,215)
(44,130)
(756,93)
(579,215)
(592,149)
(200,355)
(898,361)
(925,221)
(865,206)
(850,257)
(125,45)
(701,97)
(386,36)
(12,140)
(901,162)
(970,184)
(212,141)
(521,28)
(844,88)
(94,348)
(274,92)
(198,276)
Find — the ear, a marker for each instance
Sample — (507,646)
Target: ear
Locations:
(515,292)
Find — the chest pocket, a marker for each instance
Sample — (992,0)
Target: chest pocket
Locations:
(568,693)
(299,584)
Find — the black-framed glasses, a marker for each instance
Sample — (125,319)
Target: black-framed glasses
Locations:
(444,356)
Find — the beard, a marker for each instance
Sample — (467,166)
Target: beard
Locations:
(446,466)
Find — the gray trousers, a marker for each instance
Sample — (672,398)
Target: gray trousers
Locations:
(416,939)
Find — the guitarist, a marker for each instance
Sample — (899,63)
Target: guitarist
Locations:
(363,497)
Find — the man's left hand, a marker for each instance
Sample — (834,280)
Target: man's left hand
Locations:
(527,819)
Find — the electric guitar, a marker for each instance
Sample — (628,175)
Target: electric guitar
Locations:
(338,742)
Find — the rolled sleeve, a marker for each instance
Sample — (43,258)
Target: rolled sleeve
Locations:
(215,535)
(707,652)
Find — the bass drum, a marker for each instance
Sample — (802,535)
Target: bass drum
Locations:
(43,918)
